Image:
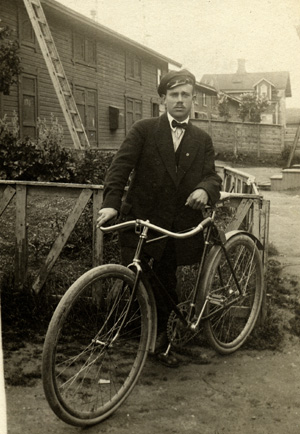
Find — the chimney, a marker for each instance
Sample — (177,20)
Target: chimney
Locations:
(241,66)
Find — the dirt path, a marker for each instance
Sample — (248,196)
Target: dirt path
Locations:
(249,392)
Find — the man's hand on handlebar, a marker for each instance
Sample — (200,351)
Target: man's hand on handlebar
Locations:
(197,199)
(106,214)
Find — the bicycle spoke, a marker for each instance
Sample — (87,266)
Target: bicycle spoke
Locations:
(100,347)
(232,310)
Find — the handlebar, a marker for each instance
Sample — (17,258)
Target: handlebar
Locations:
(138,223)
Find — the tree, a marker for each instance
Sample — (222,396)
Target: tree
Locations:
(223,106)
(10,62)
(252,106)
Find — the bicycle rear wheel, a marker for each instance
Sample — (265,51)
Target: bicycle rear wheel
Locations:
(96,345)
(231,316)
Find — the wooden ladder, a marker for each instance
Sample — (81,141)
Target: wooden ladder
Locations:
(57,73)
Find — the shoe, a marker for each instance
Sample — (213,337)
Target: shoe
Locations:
(162,342)
(168,360)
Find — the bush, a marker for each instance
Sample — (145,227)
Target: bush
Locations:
(46,159)
(10,62)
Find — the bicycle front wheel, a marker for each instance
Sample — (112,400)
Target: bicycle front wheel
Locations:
(96,345)
(230,315)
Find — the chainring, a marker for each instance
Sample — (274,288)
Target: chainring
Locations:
(178,334)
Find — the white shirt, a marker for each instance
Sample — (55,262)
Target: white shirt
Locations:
(177,133)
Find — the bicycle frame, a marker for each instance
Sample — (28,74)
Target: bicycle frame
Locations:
(142,267)
(112,311)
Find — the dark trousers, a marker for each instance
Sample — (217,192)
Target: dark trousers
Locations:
(165,270)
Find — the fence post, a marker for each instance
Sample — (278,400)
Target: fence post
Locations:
(21,236)
(97,234)
(258,141)
(235,144)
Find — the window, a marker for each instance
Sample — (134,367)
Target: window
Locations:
(133,67)
(86,100)
(29,106)
(158,76)
(26,32)
(84,50)
(155,109)
(204,100)
(133,111)
(264,91)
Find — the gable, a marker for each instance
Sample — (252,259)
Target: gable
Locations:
(264,88)
(246,82)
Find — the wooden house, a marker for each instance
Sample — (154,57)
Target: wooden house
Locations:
(113,79)
(275,86)
(205,106)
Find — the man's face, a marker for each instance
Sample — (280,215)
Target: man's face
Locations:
(178,101)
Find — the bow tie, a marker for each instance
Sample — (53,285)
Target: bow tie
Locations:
(176,124)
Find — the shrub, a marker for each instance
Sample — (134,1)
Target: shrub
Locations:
(45,159)
(252,106)
(223,106)
(10,62)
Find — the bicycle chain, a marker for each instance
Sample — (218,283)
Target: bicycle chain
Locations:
(177,333)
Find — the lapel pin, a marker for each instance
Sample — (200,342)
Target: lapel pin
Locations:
(187,154)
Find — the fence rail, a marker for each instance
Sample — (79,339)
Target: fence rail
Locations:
(236,181)
(252,211)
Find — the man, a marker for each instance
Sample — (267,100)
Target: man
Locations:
(172,178)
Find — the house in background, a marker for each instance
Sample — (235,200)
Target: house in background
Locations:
(205,105)
(113,79)
(273,85)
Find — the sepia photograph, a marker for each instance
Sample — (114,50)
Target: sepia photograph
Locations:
(149,216)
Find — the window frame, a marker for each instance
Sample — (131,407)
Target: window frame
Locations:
(23,18)
(130,71)
(34,94)
(134,112)
(85,119)
(85,40)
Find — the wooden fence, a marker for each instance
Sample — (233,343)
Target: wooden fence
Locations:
(251,209)
(21,190)
(260,140)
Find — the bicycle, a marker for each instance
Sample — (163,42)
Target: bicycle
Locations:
(105,324)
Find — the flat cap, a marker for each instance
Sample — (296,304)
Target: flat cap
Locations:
(175,78)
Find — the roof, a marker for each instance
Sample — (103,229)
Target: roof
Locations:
(118,37)
(246,81)
(209,90)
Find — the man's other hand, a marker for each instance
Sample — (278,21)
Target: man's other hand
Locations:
(197,199)
(104,215)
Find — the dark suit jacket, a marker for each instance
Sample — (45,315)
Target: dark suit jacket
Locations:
(159,188)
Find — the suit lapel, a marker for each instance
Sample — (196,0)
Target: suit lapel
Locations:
(189,150)
(164,143)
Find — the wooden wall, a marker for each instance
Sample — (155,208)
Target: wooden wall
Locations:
(108,78)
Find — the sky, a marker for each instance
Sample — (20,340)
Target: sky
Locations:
(208,36)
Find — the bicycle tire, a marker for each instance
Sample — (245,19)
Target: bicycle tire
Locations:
(91,361)
(231,316)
